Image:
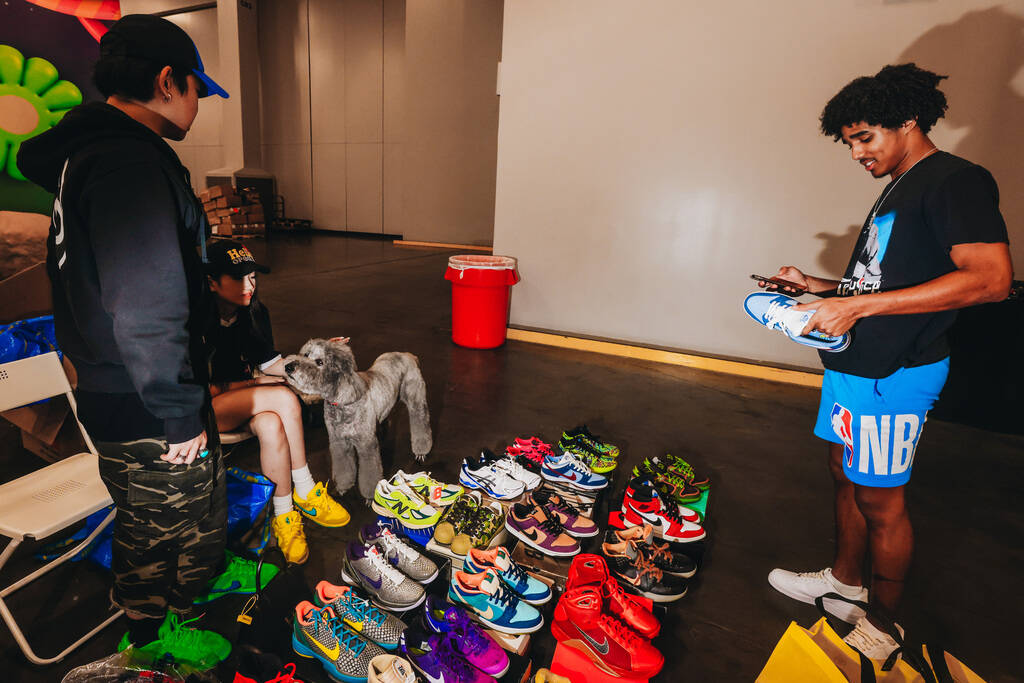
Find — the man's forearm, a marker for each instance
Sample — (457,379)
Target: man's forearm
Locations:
(954,290)
(818,285)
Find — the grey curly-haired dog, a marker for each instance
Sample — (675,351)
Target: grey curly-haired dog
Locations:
(356,402)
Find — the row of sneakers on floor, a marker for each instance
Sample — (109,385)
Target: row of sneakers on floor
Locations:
(388,568)
(643,504)
(416,500)
(548,523)
(469,523)
(612,628)
(598,455)
(499,592)
(646,567)
(566,463)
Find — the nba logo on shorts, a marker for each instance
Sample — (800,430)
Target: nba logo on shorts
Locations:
(842,425)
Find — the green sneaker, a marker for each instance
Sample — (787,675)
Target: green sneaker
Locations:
(457,518)
(680,466)
(192,647)
(485,524)
(239,576)
(598,462)
(668,483)
(584,435)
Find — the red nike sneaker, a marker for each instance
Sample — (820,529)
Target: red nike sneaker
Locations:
(592,570)
(642,503)
(642,482)
(613,647)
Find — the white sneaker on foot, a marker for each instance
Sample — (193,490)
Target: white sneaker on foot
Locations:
(808,586)
(872,643)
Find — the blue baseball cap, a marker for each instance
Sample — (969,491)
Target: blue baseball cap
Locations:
(145,36)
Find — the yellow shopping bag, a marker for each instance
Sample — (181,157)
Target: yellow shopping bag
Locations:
(797,657)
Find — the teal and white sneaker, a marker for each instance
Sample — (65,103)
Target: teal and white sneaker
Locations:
(495,604)
(359,615)
(530,589)
(774,311)
(318,633)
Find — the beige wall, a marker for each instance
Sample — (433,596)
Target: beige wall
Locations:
(652,155)
(382,116)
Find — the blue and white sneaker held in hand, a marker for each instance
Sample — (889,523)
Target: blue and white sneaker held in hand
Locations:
(774,311)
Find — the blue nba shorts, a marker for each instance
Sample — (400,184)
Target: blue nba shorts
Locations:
(878,421)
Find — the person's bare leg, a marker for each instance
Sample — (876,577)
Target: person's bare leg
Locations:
(274,456)
(234,408)
(851,527)
(891,539)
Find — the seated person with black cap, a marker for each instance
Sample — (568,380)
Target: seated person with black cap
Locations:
(240,342)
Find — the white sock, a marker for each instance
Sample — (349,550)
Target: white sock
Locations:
(282,505)
(302,481)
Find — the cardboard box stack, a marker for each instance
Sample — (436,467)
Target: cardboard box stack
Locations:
(233,213)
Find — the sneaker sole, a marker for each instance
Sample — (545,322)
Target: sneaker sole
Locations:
(841,610)
(304,651)
(533,544)
(497,627)
(410,523)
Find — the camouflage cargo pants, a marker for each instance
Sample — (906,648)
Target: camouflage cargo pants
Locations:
(170,527)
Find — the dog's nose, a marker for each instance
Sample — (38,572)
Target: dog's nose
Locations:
(289,367)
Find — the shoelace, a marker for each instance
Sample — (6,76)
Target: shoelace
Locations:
(671,511)
(516,572)
(575,463)
(660,552)
(552,526)
(472,638)
(515,469)
(773,317)
(286,675)
(361,608)
(618,629)
(378,562)
(560,504)
(505,597)
(189,637)
(346,638)
(394,543)
(645,566)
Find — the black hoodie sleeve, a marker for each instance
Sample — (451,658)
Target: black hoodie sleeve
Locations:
(133,227)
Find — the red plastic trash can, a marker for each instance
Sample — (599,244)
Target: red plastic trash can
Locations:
(481,286)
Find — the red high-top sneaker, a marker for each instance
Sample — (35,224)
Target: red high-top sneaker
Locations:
(613,647)
(643,504)
(592,570)
(641,483)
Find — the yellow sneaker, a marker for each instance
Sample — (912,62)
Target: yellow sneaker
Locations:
(291,539)
(321,508)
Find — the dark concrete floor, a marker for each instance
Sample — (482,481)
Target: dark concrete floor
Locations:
(771,503)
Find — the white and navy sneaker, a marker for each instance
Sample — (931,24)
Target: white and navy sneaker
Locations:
(569,470)
(774,311)
(509,466)
(477,474)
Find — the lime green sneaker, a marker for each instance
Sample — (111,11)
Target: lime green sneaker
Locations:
(400,502)
(192,647)
(668,483)
(239,576)
(599,463)
(583,435)
(437,493)
(680,466)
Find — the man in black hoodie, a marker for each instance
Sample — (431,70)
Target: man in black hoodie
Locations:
(127,290)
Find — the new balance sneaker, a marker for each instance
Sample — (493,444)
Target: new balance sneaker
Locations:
(565,514)
(671,485)
(395,550)
(239,576)
(530,589)
(390,669)
(584,435)
(494,604)
(320,508)
(534,527)
(400,502)
(457,517)
(479,532)
(359,615)
(594,459)
(581,623)
(436,493)
(641,504)
(317,634)
(476,646)
(592,570)
(809,586)
(290,537)
(513,469)
(657,554)
(477,474)
(388,587)
(627,565)
(775,311)
(567,469)
(871,641)
(199,649)
(680,466)
(439,658)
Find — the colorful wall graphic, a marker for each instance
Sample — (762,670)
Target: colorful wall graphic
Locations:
(47,50)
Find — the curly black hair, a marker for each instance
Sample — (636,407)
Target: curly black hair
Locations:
(895,94)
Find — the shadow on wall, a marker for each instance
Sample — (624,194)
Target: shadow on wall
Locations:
(982,52)
(835,252)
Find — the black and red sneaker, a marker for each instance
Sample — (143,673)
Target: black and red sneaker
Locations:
(627,564)
(580,622)
(592,570)
(657,554)
(642,504)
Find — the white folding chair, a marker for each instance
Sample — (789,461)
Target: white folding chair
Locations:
(52,498)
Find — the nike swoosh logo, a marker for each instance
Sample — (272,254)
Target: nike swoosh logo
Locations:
(531,534)
(331,653)
(235,585)
(655,520)
(489,614)
(311,512)
(376,584)
(600,647)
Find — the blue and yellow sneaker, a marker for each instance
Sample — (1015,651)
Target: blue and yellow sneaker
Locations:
(528,588)
(495,604)
(359,615)
(318,634)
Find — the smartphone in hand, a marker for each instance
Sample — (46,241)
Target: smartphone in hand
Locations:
(785,286)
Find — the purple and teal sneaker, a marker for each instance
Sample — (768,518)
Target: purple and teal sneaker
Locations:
(434,655)
(529,588)
(476,646)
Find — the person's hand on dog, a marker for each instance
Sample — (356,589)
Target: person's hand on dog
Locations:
(186,452)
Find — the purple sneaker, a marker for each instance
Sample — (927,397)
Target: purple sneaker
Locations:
(476,646)
(433,655)
(532,525)
(575,524)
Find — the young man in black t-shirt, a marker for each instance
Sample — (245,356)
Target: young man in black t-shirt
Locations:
(934,242)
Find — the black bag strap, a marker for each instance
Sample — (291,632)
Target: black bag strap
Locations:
(939,666)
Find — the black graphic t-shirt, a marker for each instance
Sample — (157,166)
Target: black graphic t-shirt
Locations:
(940,202)
(239,348)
